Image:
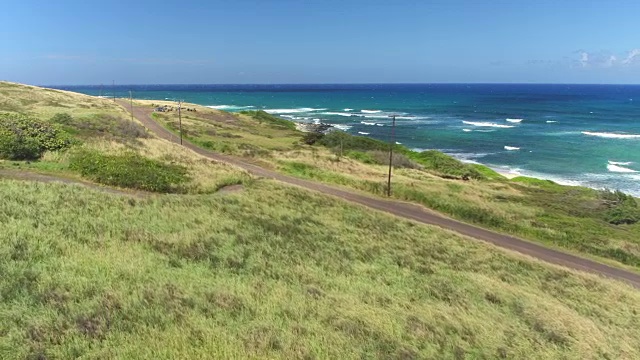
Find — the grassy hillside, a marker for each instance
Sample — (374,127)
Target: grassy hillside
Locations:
(271,271)
(580,220)
(108,147)
(265,274)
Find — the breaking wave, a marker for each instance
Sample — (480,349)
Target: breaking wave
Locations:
(341,127)
(229,107)
(487,124)
(511,148)
(291,111)
(611,135)
(619,169)
(625,163)
(514,120)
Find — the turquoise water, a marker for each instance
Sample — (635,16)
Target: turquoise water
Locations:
(574,134)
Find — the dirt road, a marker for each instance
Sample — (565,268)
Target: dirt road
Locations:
(32,176)
(405,210)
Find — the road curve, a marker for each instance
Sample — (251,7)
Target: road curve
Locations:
(404,210)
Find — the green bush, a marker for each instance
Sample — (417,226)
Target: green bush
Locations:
(130,170)
(622,208)
(25,138)
(337,139)
(14,147)
(274,121)
(445,165)
(311,138)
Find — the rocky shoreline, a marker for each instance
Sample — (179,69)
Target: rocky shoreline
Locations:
(321,128)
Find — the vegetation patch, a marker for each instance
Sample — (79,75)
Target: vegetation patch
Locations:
(101,125)
(274,121)
(372,151)
(130,170)
(445,165)
(26,138)
(621,208)
(277,272)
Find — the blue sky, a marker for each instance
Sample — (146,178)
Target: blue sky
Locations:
(347,41)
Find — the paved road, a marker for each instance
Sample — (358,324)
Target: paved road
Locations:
(405,210)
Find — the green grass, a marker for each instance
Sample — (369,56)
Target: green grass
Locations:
(266,274)
(570,218)
(271,120)
(130,170)
(579,220)
(563,217)
(251,134)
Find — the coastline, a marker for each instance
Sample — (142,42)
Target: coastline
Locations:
(621,177)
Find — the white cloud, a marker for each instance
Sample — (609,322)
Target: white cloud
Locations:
(610,61)
(632,56)
(584,59)
(605,59)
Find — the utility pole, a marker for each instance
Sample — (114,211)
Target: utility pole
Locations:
(113,87)
(392,143)
(180,119)
(131,102)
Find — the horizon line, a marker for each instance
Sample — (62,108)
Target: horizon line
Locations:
(328,84)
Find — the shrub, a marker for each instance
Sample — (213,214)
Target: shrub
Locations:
(622,208)
(337,139)
(311,138)
(399,159)
(274,121)
(25,138)
(446,165)
(130,170)
(14,147)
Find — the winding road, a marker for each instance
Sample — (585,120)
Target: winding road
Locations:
(403,209)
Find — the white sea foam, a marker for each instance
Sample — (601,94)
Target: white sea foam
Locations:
(370,111)
(379,124)
(363,133)
(397,117)
(620,163)
(619,169)
(511,148)
(467,130)
(514,120)
(291,111)
(229,107)
(367,123)
(347,109)
(341,127)
(611,135)
(487,124)
(398,143)
(551,121)
(337,113)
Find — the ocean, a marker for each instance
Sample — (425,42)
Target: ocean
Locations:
(586,135)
